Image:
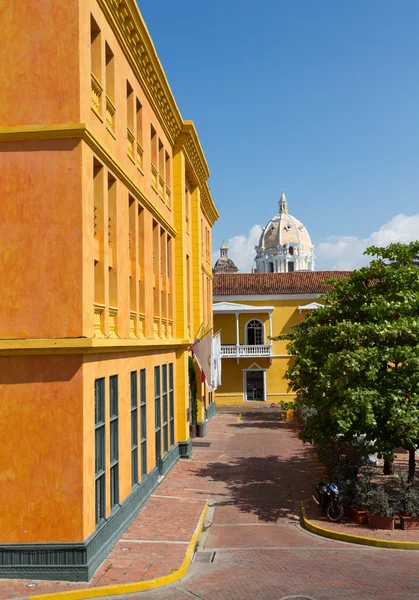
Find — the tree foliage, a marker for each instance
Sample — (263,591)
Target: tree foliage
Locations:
(357,358)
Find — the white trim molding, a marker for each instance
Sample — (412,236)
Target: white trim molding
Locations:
(254,367)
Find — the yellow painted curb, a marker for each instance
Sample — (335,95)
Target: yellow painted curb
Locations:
(354,539)
(136,586)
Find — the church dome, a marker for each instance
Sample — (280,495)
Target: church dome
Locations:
(284,244)
(284,229)
(224,264)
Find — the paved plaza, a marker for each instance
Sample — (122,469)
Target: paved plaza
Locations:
(254,471)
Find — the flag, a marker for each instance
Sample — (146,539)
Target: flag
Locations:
(216,363)
(202,352)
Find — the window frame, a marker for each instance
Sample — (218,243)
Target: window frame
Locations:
(171,404)
(143,421)
(100,451)
(261,328)
(113,441)
(134,427)
(157,413)
(165,408)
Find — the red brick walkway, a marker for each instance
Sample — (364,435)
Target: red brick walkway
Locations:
(153,545)
(255,472)
(255,547)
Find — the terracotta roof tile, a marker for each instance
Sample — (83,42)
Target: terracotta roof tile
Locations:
(300,282)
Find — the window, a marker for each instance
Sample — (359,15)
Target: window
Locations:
(114,442)
(130,107)
(96,66)
(134,428)
(157,413)
(100,450)
(130,121)
(110,88)
(139,111)
(172,406)
(153,136)
(254,333)
(291,250)
(161,159)
(165,410)
(169,256)
(187,209)
(143,415)
(168,177)
(99,234)
(95,47)
(112,240)
(290,267)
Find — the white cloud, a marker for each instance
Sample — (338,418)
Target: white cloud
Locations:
(346,252)
(241,249)
(337,253)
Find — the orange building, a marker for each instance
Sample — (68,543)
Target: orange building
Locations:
(105,263)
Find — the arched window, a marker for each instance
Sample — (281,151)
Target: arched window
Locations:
(291,250)
(254,333)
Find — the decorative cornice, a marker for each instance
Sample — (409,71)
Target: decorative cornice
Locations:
(208,205)
(80,131)
(188,142)
(129,28)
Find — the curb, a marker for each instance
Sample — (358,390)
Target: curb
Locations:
(353,539)
(136,586)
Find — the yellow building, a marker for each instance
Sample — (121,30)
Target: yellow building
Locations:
(105,262)
(249,308)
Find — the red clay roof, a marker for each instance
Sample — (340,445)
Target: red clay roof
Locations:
(300,282)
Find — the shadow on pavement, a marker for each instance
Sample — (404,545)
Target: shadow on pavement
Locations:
(271,486)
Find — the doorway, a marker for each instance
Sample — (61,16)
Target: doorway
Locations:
(255,385)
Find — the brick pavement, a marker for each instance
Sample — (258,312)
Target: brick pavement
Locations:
(258,548)
(256,471)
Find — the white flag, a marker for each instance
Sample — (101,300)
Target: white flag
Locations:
(216,363)
(202,351)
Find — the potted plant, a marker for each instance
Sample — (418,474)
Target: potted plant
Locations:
(380,513)
(353,495)
(193,400)
(411,505)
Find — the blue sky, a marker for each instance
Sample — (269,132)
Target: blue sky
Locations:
(320,98)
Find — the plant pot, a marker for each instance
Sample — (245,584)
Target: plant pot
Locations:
(193,430)
(409,522)
(360,517)
(378,522)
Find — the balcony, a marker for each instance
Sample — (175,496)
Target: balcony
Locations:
(243,351)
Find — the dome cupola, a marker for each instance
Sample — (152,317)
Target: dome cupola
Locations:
(224,264)
(284,244)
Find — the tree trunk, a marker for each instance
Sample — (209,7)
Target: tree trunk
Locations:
(412,464)
(388,464)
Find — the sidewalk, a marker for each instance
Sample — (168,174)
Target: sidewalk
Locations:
(156,542)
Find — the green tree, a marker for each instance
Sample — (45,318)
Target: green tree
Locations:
(357,358)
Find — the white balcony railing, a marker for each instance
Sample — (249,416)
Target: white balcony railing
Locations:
(238,351)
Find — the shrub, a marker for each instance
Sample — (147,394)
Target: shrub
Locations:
(378,503)
(340,459)
(411,502)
